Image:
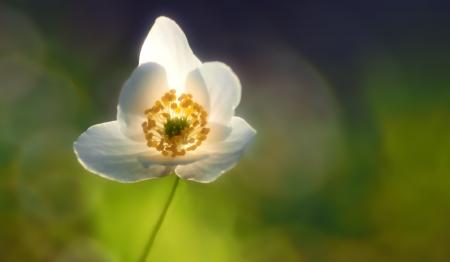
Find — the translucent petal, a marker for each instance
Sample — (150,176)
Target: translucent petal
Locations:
(218,132)
(188,158)
(224,90)
(223,155)
(146,84)
(195,85)
(105,151)
(166,44)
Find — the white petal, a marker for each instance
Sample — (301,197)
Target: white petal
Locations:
(224,89)
(190,157)
(146,84)
(224,155)
(196,86)
(105,151)
(218,132)
(166,44)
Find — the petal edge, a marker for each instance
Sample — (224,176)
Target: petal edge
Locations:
(146,84)
(167,45)
(105,151)
(224,155)
(224,90)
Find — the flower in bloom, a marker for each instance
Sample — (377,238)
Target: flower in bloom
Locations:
(175,115)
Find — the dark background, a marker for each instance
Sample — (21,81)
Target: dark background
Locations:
(351,101)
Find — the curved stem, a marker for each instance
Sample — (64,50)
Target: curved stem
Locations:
(155,231)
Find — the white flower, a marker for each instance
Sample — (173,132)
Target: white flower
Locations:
(175,115)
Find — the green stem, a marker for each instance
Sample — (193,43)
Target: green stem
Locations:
(155,231)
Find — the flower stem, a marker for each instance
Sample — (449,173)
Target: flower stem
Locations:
(155,230)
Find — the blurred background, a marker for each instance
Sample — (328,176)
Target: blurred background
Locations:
(351,102)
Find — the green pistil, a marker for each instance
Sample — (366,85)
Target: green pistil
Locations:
(174,126)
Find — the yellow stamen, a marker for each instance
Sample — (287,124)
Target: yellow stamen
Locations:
(175,124)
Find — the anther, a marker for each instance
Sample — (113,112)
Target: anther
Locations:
(175,125)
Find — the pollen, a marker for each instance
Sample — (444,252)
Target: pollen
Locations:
(175,124)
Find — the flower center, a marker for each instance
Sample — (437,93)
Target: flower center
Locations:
(175,124)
